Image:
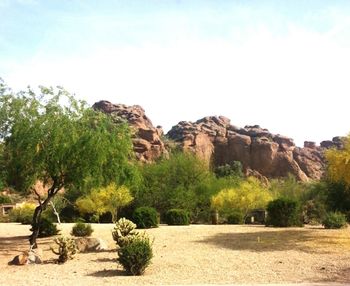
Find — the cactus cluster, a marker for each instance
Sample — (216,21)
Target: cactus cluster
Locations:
(66,248)
(124,232)
(135,248)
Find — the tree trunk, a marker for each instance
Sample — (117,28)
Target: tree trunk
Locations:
(36,220)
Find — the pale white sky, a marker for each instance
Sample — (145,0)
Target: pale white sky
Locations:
(281,64)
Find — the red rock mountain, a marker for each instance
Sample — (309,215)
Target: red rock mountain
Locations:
(147,142)
(260,152)
(214,139)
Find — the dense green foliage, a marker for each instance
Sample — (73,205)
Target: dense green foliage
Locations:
(248,195)
(2,163)
(5,199)
(235,217)
(82,229)
(283,212)
(338,197)
(182,181)
(288,187)
(339,163)
(69,214)
(56,139)
(230,170)
(145,217)
(177,217)
(47,228)
(23,214)
(334,220)
(106,199)
(136,256)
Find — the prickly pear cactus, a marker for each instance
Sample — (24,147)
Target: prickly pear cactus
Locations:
(66,248)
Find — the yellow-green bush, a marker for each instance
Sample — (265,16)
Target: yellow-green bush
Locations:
(23,213)
(248,195)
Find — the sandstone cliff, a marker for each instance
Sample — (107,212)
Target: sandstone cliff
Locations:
(216,140)
(147,142)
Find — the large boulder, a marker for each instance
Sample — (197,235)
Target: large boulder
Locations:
(90,244)
(147,142)
(214,139)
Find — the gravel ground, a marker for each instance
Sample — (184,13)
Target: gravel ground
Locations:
(196,255)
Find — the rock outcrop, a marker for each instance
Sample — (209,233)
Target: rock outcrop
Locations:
(147,142)
(216,140)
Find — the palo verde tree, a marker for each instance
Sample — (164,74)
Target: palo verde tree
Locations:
(338,184)
(248,195)
(106,199)
(53,138)
(339,163)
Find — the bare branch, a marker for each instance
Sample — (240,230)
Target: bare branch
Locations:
(55,212)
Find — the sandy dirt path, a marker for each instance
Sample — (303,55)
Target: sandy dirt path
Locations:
(196,254)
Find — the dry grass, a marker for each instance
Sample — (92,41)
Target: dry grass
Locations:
(196,254)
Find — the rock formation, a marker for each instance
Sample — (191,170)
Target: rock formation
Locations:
(216,140)
(147,142)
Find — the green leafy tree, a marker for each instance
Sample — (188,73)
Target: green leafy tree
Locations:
(54,138)
(176,182)
(249,195)
(107,199)
(288,187)
(230,170)
(339,163)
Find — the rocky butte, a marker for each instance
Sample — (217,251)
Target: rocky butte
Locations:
(147,142)
(216,140)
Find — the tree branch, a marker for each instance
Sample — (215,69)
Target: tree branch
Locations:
(38,196)
(55,212)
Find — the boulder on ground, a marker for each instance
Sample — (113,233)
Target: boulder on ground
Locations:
(90,244)
(21,259)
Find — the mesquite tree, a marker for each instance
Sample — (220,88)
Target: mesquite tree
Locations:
(53,138)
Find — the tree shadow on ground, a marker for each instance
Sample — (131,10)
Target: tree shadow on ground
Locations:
(14,243)
(108,273)
(105,260)
(340,276)
(306,240)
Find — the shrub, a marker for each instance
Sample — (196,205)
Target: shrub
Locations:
(69,214)
(47,228)
(82,229)
(136,256)
(314,211)
(124,232)
(5,199)
(230,170)
(66,248)
(334,220)
(23,214)
(235,217)
(177,217)
(283,212)
(145,217)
